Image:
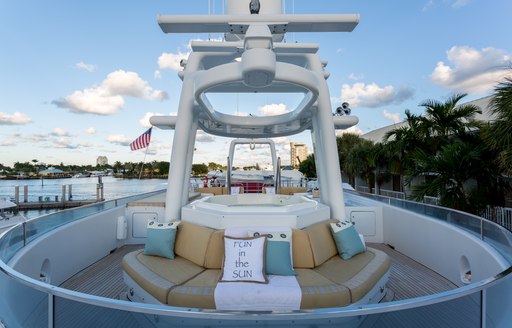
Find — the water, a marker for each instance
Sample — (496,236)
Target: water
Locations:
(82,189)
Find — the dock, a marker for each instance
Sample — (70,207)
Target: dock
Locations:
(66,199)
(46,205)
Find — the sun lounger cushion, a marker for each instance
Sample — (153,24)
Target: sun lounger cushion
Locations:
(192,242)
(322,244)
(320,292)
(291,190)
(302,253)
(215,251)
(359,274)
(157,274)
(198,292)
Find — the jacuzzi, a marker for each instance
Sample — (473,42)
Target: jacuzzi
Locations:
(220,212)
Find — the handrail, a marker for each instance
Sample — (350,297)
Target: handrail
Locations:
(179,312)
(78,213)
(351,310)
(422,208)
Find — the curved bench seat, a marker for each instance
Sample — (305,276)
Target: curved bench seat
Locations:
(325,279)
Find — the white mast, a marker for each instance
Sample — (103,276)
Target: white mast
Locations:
(266,65)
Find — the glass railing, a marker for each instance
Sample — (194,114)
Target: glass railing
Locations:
(39,303)
(24,233)
(494,234)
(483,303)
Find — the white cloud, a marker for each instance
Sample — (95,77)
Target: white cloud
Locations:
(119,139)
(157,75)
(281,141)
(452,3)
(14,119)
(460,3)
(107,98)
(65,144)
(90,130)
(353,130)
(273,109)
(171,61)
(59,132)
(86,67)
(4,143)
(144,122)
(395,117)
(372,95)
(355,77)
(471,70)
(204,137)
(430,4)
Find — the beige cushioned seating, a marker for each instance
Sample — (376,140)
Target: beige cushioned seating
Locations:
(320,292)
(197,292)
(322,244)
(157,275)
(189,280)
(291,190)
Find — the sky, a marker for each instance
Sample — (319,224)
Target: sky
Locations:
(80,79)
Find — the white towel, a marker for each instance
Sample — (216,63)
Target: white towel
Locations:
(282,293)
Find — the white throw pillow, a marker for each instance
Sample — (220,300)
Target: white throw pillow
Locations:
(244,260)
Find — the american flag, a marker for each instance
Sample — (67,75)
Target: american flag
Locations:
(142,141)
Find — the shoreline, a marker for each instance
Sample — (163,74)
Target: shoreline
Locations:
(71,177)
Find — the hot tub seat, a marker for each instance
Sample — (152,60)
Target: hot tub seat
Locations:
(190,279)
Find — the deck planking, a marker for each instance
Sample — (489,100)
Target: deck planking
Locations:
(103,278)
(409,279)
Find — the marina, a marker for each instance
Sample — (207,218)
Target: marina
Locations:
(278,255)
(36,198)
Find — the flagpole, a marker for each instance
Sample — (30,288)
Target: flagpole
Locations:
(144,161)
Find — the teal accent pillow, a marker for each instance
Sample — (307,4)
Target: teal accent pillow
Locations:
(160,239)
(278,256)
(347,239)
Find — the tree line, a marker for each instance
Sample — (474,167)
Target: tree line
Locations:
(445,153)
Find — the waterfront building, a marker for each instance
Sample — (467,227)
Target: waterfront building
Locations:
(298,153)
(102,160)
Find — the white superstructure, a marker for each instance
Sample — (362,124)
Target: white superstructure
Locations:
(256,64)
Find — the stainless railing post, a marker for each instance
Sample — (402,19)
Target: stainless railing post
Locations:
(51,310)
(277,183)
(24,233)
(228,176)
(481,228)
(483,308)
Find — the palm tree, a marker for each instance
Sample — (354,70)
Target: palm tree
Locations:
(401,142)
(361,161)
(443,121)
(459,175)
(345,143)
(499,135)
